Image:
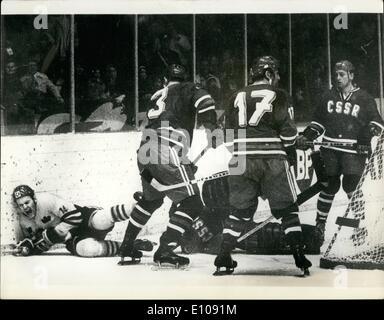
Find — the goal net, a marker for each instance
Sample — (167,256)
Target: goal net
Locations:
(358,242)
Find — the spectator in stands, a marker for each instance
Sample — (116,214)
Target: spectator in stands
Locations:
(15,117)
(111,83)
(210,82)
(180,44)
(40,96)
(95,87)
(231,78)
(145,89)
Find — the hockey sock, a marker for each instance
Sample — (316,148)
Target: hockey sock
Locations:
(120,213)
(103,219)
(324,204)
(180,219)
(233,227)
(170,238)
(178,222)
(111,248)
(91,247)
(140,215)
(290,223)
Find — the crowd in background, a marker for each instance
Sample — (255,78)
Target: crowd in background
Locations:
(36,73)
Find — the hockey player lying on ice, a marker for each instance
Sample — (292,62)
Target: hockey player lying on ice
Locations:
(46,219)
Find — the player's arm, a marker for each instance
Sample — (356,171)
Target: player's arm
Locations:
(376,123)
(71,217)
(43,239)
(40,242)
(205,109)
(286,127)
(374,127)
(207,117)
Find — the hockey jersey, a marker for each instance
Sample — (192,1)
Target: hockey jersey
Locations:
(263,121)
(346,119)
(174,113)
(49,210)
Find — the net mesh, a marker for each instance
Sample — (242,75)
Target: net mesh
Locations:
(362,247)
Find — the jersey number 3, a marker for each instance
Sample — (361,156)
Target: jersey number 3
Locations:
(261,107)
(160,97)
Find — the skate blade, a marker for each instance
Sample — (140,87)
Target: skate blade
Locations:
(169,266)
(225,272)
(123,262)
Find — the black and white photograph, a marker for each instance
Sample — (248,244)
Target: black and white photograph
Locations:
(186,150)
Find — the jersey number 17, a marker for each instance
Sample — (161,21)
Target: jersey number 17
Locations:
(261,107)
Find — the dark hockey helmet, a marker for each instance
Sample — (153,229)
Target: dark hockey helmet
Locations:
(176,72)
(345,65)
(263,64)
(22,191)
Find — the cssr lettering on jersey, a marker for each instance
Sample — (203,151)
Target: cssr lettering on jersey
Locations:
(345,108)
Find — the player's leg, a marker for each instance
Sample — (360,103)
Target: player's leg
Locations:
(278,186)
(88,239)
(243,194)
(332,165)
(187,206)
(104,219)
(89,247)
(180,219)
(352,169)
(151,200)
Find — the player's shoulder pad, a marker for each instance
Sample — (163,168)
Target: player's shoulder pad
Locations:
(282,93)
(282,97)
(188,85)
(363,94)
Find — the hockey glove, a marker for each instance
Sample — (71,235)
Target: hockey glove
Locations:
(374,130)
(47,239)
(302,142)
(24,248)
(309,134)
(364,149)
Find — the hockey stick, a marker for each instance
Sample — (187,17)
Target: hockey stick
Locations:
(10,249)
(360,148)
(162,187)
(330,144)
(200,155)
(301,198)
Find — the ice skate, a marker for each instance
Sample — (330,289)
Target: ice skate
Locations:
(300,260)
(224,260)
(128,251)
(144,245)
(165,258)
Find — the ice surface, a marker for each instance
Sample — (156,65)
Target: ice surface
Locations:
(60,275)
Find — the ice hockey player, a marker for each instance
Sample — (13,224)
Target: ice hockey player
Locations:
(46,219)
(167,139)
(344,114)
(263,111)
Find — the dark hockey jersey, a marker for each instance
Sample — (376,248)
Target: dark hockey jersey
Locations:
(174,113)
(263,121)
(346,119)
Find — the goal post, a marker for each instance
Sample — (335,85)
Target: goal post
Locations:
(358,242)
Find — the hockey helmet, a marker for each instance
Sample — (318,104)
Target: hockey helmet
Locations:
(263,64)
(22,191)
(345,65)
(176,72)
